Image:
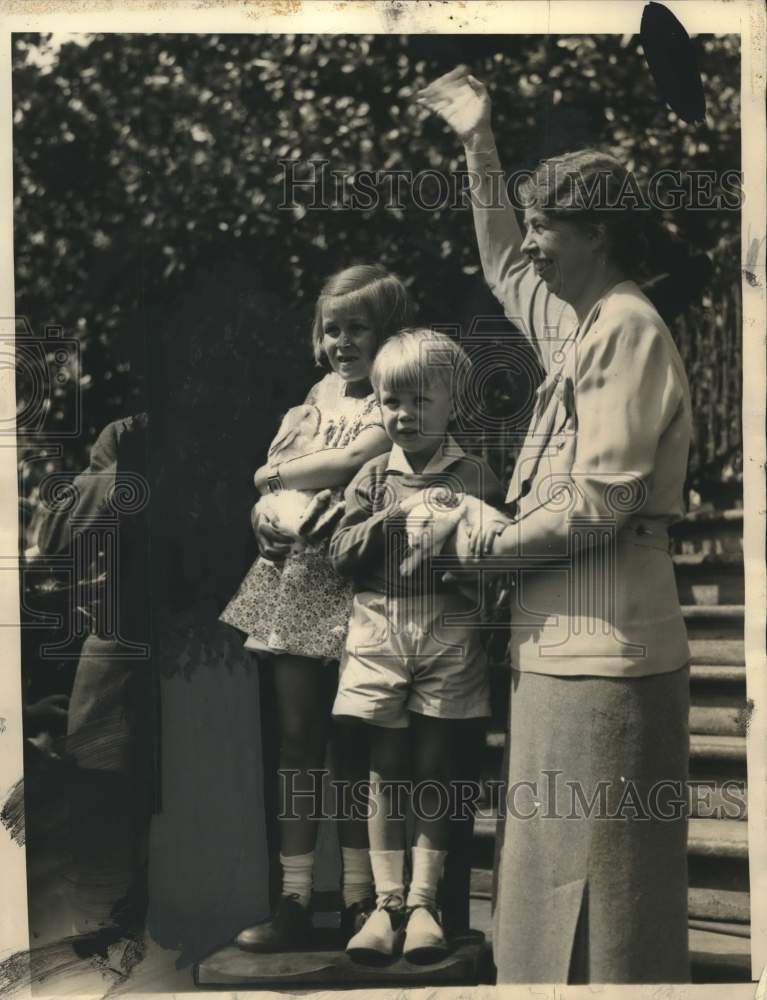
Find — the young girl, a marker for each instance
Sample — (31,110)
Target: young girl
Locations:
(294,607)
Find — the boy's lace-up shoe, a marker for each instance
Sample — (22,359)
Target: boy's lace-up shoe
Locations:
(380,937)
(353,917)
(287,929)
(424,938)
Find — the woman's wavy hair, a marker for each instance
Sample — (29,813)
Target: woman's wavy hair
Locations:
(591,187)
(379,293)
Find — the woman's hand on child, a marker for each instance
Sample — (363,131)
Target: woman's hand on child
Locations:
(462,101)
(482,537)
(483,524)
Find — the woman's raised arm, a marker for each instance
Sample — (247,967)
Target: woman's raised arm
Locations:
(463,102)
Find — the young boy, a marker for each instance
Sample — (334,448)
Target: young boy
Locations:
(413,663)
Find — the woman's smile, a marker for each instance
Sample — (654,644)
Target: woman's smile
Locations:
(542,266)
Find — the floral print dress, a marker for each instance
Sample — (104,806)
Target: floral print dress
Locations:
(301,605)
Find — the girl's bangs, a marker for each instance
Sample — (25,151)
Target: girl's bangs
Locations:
(351,302)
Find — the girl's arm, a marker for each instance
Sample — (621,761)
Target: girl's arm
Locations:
(331,467)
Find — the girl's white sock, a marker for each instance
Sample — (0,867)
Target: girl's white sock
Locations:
(357,875)
(297,876)
(427,871)
(389,874)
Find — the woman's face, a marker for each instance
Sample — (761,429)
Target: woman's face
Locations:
(563,253)
(348,340)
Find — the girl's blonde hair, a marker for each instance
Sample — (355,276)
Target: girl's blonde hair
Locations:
(420,357)
(380,294)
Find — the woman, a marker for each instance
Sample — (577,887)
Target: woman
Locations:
(592,879)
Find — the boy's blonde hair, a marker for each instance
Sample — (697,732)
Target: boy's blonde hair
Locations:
(417,357)
(379,293)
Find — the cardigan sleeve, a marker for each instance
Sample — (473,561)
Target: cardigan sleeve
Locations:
(626,395)
(536,313)
(372,511)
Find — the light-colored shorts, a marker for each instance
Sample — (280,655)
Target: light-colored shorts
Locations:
(408,654)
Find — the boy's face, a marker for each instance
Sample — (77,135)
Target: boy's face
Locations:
(416,417)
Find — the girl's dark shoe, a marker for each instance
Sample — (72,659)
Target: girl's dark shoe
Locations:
(287,929)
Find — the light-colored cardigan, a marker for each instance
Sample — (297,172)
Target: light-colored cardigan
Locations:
(601,472)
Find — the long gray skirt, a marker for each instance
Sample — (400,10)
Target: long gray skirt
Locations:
(591,857)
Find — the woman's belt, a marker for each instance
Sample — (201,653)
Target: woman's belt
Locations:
(649,531)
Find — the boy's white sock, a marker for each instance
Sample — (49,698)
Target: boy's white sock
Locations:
(357,875)
(427,871)
(389,874)
(297,876)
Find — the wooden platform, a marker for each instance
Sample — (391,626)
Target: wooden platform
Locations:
(232,967)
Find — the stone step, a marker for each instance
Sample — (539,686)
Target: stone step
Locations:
(726,798)
(728,907)
(713,612)
(719,952)
(714,621)
(720,838)
(701,580)
(717,957)
(702,746)
(722,749)
(719,904)
(705,675)
(721,927)
(717,719)
(710,651)
(709,795)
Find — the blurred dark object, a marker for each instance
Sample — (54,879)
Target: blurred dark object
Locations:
(682,284)
(670,54)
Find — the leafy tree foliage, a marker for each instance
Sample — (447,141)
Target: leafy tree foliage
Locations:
(147,175)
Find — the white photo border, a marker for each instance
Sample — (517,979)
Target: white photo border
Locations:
(745,17)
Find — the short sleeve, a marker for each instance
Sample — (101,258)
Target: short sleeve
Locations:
(370,416)
(313,395)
